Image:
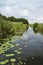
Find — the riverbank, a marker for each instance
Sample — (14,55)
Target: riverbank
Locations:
(11,26)
(38,28)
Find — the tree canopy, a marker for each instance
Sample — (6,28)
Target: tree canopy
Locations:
(13,19)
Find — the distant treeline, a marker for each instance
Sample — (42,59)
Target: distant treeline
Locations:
(13,19)
(37,28)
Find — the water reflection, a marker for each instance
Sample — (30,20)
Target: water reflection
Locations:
(35,31)
(25,50)
(38,31)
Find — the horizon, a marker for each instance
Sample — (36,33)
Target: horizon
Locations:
(31,10)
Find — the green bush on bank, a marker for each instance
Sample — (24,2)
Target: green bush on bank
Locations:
(35,25)
(38,27)
(9,27)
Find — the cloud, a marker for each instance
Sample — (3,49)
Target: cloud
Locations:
(29,9)
(41,18)
(10,1)
(8,10)
(24,12)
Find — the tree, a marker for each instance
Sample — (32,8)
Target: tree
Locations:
(13,19)
(35,25)
(24,21)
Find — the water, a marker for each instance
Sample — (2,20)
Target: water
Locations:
(26,50)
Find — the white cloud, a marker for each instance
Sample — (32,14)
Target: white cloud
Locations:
(41,18)
(23,8)
(24,12)
(11,1)
(8,9)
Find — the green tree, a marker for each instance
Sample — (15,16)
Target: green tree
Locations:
(13,19)
(35,25)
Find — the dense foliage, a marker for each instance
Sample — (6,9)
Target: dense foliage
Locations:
(13,19)
(35,25)
(11,26)
(38,28)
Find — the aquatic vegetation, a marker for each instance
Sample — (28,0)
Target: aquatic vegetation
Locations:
(15,50)
(25,46)
(19,58)
(20,62)
(32,58)
(18,52)
(12,60)
(8,55)
(12,45)
(5,47)
(4,62)
(13,64)
(17,45)
(11,29)
(20,48)
(24,63)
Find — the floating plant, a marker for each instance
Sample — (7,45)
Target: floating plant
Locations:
(18,52)
(20,48)
(4,62)
(8,55)
(12,60)
(15,50)
(17,45)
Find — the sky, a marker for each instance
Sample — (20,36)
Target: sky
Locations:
(32,10)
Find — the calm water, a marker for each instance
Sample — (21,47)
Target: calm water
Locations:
(26,50)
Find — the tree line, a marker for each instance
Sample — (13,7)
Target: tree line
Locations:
(13,19)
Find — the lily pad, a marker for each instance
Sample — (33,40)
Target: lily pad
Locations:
(12,60)
(15,50)
(21,62)
(8,55)
(18,52)
(17,44)
(4,62)
(13,64)
(25,46)
(20,48)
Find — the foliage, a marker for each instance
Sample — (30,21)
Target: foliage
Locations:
(11,26)
(38,28)
(35,25)
(13,19)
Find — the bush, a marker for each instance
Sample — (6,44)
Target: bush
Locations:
(35,25)
(6,29)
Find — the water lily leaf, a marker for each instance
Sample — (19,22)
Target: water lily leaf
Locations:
(4,62)
(15,50)
(17,44)
(18,52)
(8,55)
(20,48)
(12,60)
(25,46)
